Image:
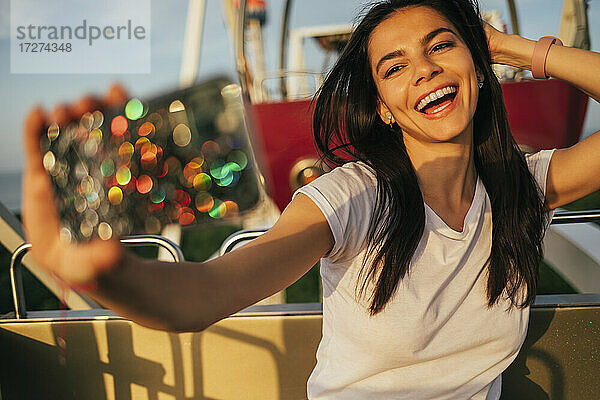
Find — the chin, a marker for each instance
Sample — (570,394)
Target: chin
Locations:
(450,137)
(450,133)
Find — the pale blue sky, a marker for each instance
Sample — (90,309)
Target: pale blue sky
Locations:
(20,92)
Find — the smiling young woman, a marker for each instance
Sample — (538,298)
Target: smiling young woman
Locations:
(429,231)
(440,230)
(431,155)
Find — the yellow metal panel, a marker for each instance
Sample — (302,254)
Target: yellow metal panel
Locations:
(560,358)
(238,358)
(256,357)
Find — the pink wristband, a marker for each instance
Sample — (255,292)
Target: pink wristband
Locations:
(540,53)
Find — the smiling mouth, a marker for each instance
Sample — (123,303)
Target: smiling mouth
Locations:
(437,100)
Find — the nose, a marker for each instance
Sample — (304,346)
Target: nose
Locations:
(425,69)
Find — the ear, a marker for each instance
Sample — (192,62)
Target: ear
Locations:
(384,113)
(480,75)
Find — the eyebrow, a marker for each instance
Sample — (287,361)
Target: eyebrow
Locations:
(424,40)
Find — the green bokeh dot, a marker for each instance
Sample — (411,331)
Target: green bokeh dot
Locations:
(238,157)
(233,166)
(134,109)
(218,210)
(219,169)
(107,167)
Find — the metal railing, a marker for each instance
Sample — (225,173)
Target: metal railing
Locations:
(297,86)
(560,218)
(239,237)
(16,276)
(575,217)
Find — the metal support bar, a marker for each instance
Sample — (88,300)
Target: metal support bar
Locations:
(158,241)
(192,42)
(283,46)
(238,237)
(16,279)
(560,217)
(16,276)
(240,55)
(514,18)
(574,217)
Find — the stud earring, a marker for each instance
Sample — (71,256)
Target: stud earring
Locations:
(480,82)
(390,123)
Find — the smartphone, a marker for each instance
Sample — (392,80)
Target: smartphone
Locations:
(181,158)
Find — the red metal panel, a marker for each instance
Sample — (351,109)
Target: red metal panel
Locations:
(545,114)
(283,135)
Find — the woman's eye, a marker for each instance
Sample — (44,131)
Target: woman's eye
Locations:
(392,70)
(442,46)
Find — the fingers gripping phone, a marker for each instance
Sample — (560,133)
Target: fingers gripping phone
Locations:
(179,158)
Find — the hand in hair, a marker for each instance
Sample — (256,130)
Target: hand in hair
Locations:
(496,40)
(573,172)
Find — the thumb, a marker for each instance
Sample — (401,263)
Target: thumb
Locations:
(32,131)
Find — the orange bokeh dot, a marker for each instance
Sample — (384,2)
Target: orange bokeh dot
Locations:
(148,160)
(115,195)
(140,142)
(125,152)
(231,208)
(118,126)
(190,171)
(186,216)
(146,148)
(147,128)
(204,202)
(144,184)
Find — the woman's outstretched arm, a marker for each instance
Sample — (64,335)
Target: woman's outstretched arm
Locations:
(574,172)
(191,296)
(180,297)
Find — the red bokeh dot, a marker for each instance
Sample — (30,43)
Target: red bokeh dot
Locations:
(118,126)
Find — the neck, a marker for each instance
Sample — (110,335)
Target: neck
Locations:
(446,172)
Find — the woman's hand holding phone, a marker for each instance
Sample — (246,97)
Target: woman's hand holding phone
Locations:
(76,264)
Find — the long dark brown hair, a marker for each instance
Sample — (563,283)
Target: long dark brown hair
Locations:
(347,127)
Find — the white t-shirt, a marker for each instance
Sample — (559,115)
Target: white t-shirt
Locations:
(436,338)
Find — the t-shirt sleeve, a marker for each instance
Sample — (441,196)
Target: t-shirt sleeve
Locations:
(346,197)
(538,164)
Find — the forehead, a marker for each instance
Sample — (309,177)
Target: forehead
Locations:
(404,28)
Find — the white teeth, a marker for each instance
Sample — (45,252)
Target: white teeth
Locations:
(434,96)
(440,108)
